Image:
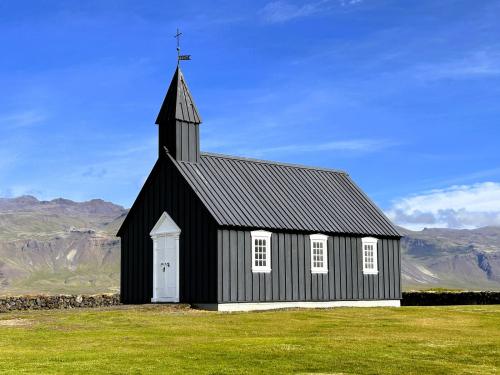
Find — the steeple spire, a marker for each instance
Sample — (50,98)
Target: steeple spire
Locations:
(178,103)
(178,121)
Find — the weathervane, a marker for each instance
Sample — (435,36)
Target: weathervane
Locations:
(179,56)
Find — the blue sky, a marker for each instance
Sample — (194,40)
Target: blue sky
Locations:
(404,95)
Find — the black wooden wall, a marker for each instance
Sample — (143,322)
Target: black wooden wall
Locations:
(215,263)
(291,278)
(166,190)
(182,139)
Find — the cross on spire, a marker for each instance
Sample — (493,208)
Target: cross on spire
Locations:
(178,37)
(179,56)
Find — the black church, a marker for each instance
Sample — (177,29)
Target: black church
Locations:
(231,233)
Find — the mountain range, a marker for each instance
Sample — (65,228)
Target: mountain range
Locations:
(59,246)
(451,258)
(62,246)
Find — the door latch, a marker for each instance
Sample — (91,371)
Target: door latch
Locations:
(164,265)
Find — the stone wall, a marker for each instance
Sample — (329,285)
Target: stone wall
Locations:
(42,302)
(450,298)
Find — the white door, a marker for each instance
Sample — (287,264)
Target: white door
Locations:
(166,270)
(165,235)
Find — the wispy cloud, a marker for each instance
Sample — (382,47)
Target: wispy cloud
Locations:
(345,3)
(107,171)
(351,147)
(461,206)
(478,64)
(20,190)
(282,11)
(22,119)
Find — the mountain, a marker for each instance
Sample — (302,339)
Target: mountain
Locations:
(61,246)
(451,258)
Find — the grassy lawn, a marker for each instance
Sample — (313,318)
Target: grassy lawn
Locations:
(161,339)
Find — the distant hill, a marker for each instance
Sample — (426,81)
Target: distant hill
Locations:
(451,258)
(61,246)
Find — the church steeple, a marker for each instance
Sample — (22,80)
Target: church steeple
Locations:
(178,122)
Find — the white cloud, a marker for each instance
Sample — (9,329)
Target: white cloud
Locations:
(350,146)
(346,3)
(21,119)
(460,206)
(20,190)
(354,145)
(281,11)
(481,63)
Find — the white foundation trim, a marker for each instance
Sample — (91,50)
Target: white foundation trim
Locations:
(164,299)
(252,306)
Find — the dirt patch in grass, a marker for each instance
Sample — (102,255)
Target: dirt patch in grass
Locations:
(15,322)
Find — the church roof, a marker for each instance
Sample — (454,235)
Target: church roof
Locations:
(252,193)
(178,103)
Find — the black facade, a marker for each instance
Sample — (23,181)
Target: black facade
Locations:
(186,146)
(291,278)
(166,191)
(217,200)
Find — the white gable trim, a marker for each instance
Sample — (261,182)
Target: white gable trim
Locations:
(261,233)
(318,237)
(165,225)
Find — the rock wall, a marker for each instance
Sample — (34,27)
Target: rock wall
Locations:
(41,302)
(450,298)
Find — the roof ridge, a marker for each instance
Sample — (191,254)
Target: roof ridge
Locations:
(261,161)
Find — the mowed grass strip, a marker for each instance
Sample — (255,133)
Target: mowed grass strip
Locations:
(166,340)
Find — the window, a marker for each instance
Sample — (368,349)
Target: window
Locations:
(261,251)
(369,245)
(319,253)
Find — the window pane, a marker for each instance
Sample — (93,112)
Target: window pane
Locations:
(317,254)
(260,252)
(369,262)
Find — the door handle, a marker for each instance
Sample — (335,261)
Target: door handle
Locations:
(164,265)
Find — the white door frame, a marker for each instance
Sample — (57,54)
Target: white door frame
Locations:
(165,227)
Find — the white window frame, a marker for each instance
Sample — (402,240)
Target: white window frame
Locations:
(323,240)
(261,235)
(369,241)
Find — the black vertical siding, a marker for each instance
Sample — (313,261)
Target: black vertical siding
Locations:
(291,278)
(181,139)
(215,263)
(188,142)
(198,240)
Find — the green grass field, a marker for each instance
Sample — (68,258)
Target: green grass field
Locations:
(161,339)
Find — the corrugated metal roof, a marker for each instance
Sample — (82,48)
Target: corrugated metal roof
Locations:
(178,103)
(261,194)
